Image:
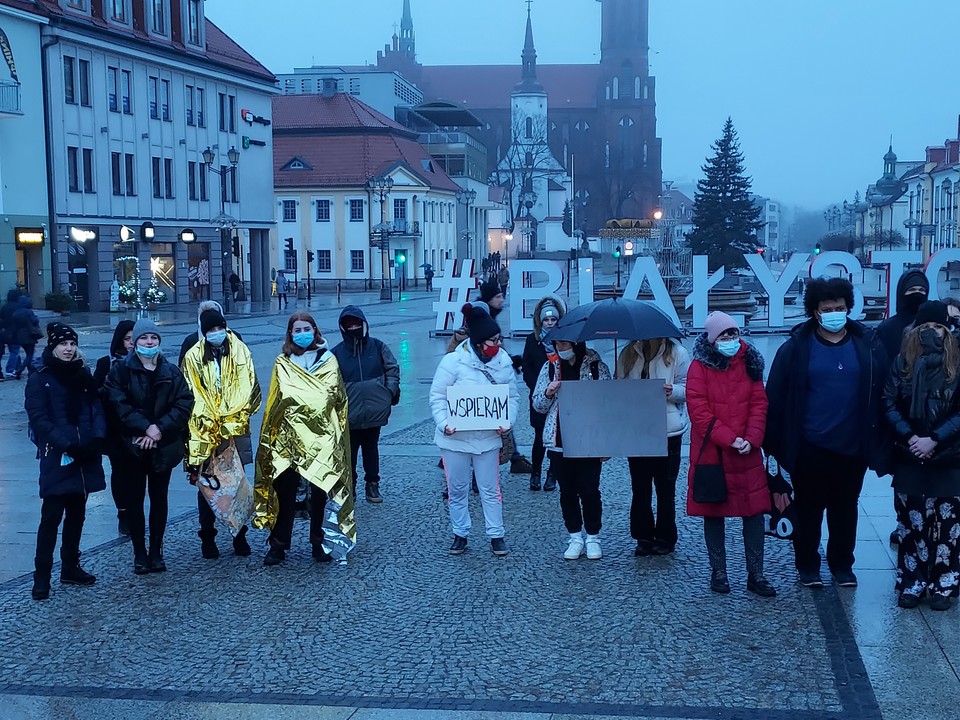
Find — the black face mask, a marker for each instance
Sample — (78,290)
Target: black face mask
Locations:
(354,334)
(912,302)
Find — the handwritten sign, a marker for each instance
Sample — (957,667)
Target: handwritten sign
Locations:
(479,407)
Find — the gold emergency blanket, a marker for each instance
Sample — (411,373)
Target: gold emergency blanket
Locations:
(224,397)
(305,428)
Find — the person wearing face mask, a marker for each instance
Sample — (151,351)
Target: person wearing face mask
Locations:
(193,338)
(220,373)
(372,377)
(305,439)
(537,351)
(120,347)
(151,402)
(479,360)
(579,478)
(64,411)
(728,412)
(921,403)
(824,425)
(664,359)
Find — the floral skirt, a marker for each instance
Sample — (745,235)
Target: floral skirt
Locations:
(929,557)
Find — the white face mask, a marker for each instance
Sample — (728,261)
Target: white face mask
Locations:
(567,354)
(216,337)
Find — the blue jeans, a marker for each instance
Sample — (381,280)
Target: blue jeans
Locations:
(13,362)
(15,365)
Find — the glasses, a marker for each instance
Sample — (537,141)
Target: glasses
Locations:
(729,335)
(492,341)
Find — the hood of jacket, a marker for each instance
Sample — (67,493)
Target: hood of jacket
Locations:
(354,311)
(116,345)
(708,355)
(13,295)
(25,301)
(537,326)
(909,279)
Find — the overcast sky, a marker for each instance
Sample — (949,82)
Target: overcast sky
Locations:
(815,87)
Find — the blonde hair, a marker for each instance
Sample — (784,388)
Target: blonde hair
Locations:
(629,355)
(913,349)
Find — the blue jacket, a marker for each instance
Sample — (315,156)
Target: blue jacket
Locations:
(64,411)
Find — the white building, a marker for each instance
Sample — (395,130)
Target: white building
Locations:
(137,90)
(24,206)
(383,90)
(771,234)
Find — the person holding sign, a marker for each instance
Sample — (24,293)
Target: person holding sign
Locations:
(477,364)
(728,414)
(579,478)
(667,360)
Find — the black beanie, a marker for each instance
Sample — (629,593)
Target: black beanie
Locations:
(481,326)
(210,319)
(932,311)
(489,290)
(57,333)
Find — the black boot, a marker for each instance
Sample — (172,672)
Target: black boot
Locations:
(550,484)
(321,555)
(157,563)
(274,556)
(209,549)
(122,527)
(73,574)
(535,481)
(373,493)
(241,548)
(41,585)
(141,563)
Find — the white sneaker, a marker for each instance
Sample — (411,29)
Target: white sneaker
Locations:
(593,547)
(574,548)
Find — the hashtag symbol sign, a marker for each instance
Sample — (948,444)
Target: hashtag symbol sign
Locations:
(455,287)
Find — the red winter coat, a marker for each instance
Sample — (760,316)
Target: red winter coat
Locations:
(730,390)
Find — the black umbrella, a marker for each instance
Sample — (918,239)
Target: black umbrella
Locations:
(426,265)
(614,319)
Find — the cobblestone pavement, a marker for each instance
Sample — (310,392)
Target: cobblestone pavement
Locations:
(405,632)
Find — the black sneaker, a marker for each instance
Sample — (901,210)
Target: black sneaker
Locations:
(662,548)
(520,466)
(274,556)
(644,548)
(141,564)
(373,493)
(157,563)
(321,555)
(41,586)
(499,547)
(209,549)
(759,585)
(940,603)
(550,484)
(76,575)
(719,582)
(908,601)
(845,578)
(459,546)
(535,481)
(811,580)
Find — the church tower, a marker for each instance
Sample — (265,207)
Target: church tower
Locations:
(408,39)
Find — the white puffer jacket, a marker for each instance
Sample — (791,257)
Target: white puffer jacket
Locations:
(463,367)
(674,374)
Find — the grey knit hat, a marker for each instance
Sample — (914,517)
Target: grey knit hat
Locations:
(144,326)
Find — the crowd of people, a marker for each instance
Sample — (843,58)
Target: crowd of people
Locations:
(839,398)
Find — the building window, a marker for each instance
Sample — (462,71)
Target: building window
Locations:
(528,159)
(193,21)
(400,209)
(154,89)
(616,88)
(168,177)
(192,180)
(69,92)
(529,124)
(201,96)
(115,173)
(354,86)
(73,169)
(113,81)
(157,184)
(84,66)
(87,170)
(356,261)
(130,176)
(324,261)
(296,165)
(118,10)
(165,99)
(77,4)
(323,211)
(125,83)
(233,113)
(189,97)
(228,112)
(202,172)
(159,18)
(289,210)
(233,185)
(356,211)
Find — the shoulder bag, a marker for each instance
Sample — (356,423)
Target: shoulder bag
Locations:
(709,481)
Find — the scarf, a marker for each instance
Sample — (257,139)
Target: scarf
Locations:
(929,375)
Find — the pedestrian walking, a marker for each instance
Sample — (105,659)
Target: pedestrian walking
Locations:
(26,329)
(537,351)
(305,437)
(220,373)
(579,478)
(282,287)
(921,402)
(492,295)
(728,410)
(120,347)
(824,425)
(151,402)
(372,376)
(8,332)
(658,359)
(428,278)
(66,418)
(479,360)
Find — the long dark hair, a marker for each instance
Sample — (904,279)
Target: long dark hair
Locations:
(289,346)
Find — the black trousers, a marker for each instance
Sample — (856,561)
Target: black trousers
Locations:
(286,488)
(647,473)
(72,510)
(367,440)
(140,482)
(281,301)
(580,503)
(208,520)
(539,451)
(826,481)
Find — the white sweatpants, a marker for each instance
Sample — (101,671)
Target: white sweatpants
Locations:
(486,467)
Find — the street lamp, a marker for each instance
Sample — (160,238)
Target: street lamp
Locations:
(528,198)
(223,221)
(381,187)
(466,198)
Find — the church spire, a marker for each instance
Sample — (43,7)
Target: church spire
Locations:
(408,42)
(529,54)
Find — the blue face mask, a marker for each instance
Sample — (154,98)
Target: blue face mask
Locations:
(148,352)
(833,321)
(728,348)
(304,339)
(216,337)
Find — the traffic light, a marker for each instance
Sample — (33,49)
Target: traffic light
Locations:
(236,247)
(289,243)
(761,250)
(817,249)
(310,257)
(616,252)
(245,142)
(401,258)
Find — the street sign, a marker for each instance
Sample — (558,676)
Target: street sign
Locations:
(928,229)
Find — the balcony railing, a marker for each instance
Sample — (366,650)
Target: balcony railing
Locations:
(9,98)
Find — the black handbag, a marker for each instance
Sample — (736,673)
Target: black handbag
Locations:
(709,481)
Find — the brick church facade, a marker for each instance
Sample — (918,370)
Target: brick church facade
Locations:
(603,115)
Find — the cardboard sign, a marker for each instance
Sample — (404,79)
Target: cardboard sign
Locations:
(479,407)
(613,418)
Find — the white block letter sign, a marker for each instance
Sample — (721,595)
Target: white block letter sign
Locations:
(478,407)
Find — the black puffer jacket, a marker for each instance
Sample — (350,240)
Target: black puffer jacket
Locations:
(6,316)
(139,398)
(26,327)
(535,356)
(65,414)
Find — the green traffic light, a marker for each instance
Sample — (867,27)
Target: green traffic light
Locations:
(401,259)
(616,253)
